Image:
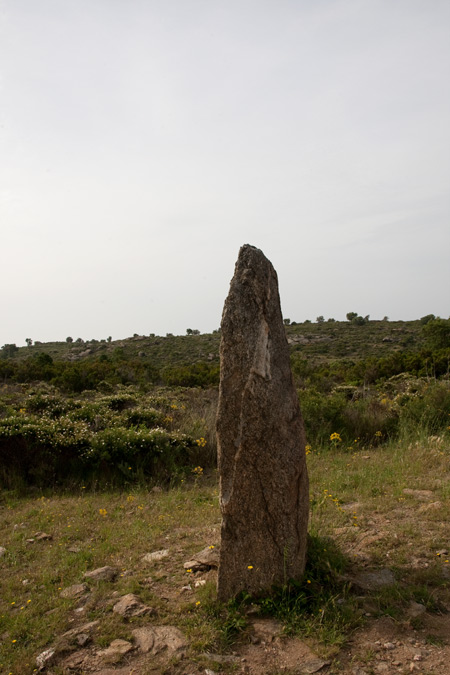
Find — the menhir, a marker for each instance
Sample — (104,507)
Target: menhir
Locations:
(261,441)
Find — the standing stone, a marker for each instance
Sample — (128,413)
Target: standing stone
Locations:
(261,441)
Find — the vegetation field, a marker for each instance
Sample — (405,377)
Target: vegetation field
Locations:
(107,456)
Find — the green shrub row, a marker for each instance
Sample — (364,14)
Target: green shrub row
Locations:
(52,440)
(369,417)
(104,373)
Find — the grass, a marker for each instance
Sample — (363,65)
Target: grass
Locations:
(359,516)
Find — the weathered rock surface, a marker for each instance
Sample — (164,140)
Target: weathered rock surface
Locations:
(116,650)
(156,639)
(261,442)
(204,560)
(154,556)
(130,605)
(74,591)
(106,573)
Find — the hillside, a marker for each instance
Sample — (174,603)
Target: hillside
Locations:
(319,341)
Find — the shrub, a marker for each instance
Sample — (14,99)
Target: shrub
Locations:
(427,409)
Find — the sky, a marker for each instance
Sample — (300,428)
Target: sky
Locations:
(143,142)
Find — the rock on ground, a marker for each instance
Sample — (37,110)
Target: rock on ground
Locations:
(155,639)
(261,441)
(130,605)
(102,574)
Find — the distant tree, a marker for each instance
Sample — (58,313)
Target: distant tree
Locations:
(152,335)
(79,340)
(320,319)
(29,342)
(307,321)
(287,322)
(188,331)
(69,340)
(437,332)
(425,319)
(195,332)
(331,320)
(109,338)
(351,316)
(8,350)
(385,318)
(359,320)
(171,334)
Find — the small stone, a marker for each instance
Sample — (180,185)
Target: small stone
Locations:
(116,650)
(85,628)
(389,645)
(415,609)
(313,666)
(203,560)
(417,657)
(199,583)
(74,549)
(74,591)
(130,605)
(44,659)
(25,582)
(158,638)
(82,639)
(42,536)
(156,555)
(2,551)
(102,574)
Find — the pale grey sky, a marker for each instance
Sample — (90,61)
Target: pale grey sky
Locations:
(142,142)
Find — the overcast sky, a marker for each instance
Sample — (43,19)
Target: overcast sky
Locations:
(142,142)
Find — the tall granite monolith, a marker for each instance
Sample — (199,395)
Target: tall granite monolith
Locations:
(261,441)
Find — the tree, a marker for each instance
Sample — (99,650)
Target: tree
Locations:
(8,350)
(437,332)
(109,339)
(287,322)
(320,319)
(351,316)
(69,340)
(425,319)
(29,342)
(188,331)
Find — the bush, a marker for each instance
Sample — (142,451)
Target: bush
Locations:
(428,409)
(60,442)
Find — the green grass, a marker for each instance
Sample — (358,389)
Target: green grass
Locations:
(357,506)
